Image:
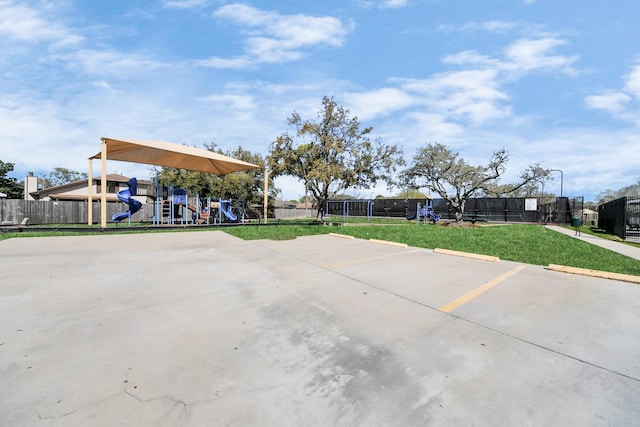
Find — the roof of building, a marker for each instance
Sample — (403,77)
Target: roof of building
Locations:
(70,196)
(61,189)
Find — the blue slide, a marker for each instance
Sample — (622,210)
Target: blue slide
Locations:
(125,197)
(225,207)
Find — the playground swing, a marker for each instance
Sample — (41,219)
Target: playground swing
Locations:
(355,207)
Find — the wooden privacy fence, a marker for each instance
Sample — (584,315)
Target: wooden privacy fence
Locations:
(294,213)
(67,212)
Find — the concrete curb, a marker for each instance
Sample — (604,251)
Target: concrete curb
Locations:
(341,236)
(467,255)
(595,273)
(388,243)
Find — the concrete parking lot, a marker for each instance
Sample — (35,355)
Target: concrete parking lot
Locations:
(201,328)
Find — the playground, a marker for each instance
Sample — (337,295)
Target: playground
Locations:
(202,328)
(176,206)
(161,153)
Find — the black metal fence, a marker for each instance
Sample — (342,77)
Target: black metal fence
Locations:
(621,217)
(561,210)
(500,209)
(507,209)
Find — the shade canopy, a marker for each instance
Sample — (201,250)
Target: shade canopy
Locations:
(160,153)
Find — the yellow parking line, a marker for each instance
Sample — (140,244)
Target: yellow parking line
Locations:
(448,308)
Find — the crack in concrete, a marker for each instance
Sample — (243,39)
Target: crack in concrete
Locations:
(75,411)
(175,400)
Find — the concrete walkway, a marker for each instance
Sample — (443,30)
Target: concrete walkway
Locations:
(204,329)
(619,247)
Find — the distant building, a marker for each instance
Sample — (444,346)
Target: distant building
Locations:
(79,190)
(284,204)
(589,217)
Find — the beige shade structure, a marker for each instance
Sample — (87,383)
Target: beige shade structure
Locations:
(161,153)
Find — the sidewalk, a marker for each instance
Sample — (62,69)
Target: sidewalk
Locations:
(618,247)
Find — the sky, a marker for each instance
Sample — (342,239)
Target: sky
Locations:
(554,82)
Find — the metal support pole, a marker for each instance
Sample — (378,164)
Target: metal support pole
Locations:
(103,186)
(561,178)
(265,199)
(90,195)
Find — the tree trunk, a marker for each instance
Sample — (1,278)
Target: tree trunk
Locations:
(458,209)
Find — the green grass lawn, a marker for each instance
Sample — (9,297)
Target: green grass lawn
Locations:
(531,244)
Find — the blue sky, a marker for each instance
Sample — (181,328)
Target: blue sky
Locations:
(552,82)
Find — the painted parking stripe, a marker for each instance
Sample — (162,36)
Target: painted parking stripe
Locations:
(448,308)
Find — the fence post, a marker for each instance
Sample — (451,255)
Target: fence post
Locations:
(90,194)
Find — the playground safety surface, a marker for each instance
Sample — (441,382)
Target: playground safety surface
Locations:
(201,328)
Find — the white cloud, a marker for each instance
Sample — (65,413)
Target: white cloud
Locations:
(613,102)
(231,101)
(489,26)
(393,4)
(536,54)
(478,92)
(382,4)
(585,173)
(34,124)
(470,57)
(492,26)
(235,63)
(272,37)
(184,4)
(102,85)
(622,104)
(20,23)
(367,105)
(111,62)
(432,127)
(523,55)
(473,95)
(632,82)
(476,95)
(268,50)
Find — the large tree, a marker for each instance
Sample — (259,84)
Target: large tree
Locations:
(332,154)
(526,187)
(10,186)
(608,195)
(61,176)
(444,172)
